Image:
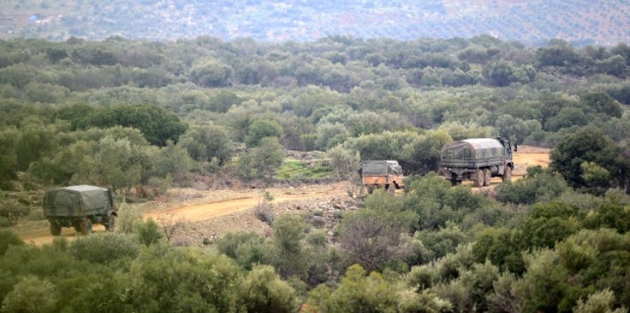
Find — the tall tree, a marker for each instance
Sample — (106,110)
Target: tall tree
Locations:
(288,233)
(589,144)
(157,124)
(8,157)
(207,142)
(118,163)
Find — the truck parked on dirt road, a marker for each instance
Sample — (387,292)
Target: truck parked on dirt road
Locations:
(382,174)
(477,159)
(79,207)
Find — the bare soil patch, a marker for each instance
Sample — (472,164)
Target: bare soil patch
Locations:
(527,156)
(212,213)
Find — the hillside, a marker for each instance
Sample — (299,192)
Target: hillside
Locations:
(600,22)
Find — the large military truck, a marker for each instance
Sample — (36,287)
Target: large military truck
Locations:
(477,159)
(79,207)
(385,174)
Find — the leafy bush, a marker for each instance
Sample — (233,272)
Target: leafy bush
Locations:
(542,187)
(443,241)
(105,248)
(12,211)
(128,215)
(421,277)
(7,239)
(31,295)
(357,292)
(164,279)
(548,224)
(247,248)
(148,232)
(263,291)
(501,247)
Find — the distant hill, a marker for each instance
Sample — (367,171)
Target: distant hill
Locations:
(599,22)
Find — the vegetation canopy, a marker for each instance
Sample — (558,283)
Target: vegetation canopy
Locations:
(143,117)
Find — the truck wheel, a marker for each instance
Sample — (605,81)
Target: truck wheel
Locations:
(111,224)
(55,229)
(507,174)
(479,179)
(486,177)
(86,227)
(370,189)
(77,227)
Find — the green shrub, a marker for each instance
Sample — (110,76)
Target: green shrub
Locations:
(609,215)
(12,211)
(542,187)
(149,232)
(247,248)
(127,217)
(7,239)
(263,291)
(31,295)
(421,277)
(166,279)
(444,241)
(104,248)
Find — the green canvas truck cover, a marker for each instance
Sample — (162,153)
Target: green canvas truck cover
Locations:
(380,167)
(75,200)
(472,151)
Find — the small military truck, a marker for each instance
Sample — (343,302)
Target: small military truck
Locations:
(382,174)
(79,207)
(477,159)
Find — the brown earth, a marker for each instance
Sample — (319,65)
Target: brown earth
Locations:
(209,214)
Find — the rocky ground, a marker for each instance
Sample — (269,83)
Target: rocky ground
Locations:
(320,206)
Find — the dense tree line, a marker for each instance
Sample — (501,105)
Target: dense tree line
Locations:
(207,100)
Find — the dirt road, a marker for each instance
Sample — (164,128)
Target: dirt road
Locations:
(194,206)
(221,206)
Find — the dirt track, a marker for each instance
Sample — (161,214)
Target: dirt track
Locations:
(197,206)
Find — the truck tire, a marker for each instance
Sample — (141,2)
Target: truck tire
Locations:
(111,223)
(370,189)
(507,174)
(486,177)
(55,229)
(86,227)
(77,227)
(479,178)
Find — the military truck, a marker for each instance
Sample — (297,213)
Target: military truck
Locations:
(386,174)
(79,207)
(477,159)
